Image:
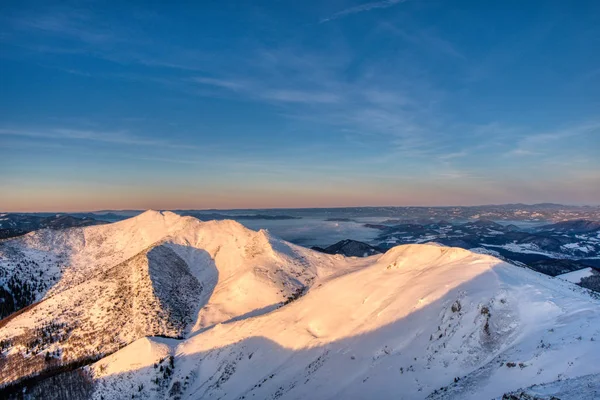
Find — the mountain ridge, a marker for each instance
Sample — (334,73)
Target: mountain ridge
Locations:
(253,277)
(242,314)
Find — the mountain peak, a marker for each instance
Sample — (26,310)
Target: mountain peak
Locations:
(425,254)
(157,215)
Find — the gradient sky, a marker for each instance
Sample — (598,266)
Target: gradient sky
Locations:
(298,104)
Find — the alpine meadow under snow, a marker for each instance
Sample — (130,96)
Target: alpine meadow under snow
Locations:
(162,306)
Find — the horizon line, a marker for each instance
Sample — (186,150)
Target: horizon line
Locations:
(296,208)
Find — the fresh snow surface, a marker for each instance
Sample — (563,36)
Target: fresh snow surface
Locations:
(586,387)
(166,275)
(388,331)
(255,317)
(577,276)
(130,365)
(577,246)
(483,250)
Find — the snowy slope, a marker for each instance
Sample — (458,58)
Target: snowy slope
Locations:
(155,274)
(152,293)
(577,276)
(70,256)
(406,325)
(46,262)
(249,316)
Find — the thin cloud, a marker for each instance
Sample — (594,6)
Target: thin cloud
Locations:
(221,83)
(425,39)
(118,137)
(268,92)
(169,160)
(521,153)
(387,98)
(452,156)
(362,8)
(452,174)
(535,144)
(72,24)
(299,96)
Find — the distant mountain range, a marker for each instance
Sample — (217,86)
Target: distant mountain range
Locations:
(551,249)
(534,213)
(12,225)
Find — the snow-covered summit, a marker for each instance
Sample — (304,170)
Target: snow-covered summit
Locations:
(155,274)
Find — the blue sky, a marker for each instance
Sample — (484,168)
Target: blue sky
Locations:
(298,104)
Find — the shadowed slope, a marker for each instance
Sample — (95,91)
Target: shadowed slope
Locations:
(46,262)
(150,294)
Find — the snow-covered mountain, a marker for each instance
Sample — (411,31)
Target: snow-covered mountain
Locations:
(162,306)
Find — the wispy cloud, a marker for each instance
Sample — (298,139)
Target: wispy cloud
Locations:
(425,39)
(263,90)
(74,24)
(452,174)
(222,83)
(115,137)
(454,155)
(167,160)
(519,152)
(362,8)
(381,103)
(532,144)
(299,96)
(387,98)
